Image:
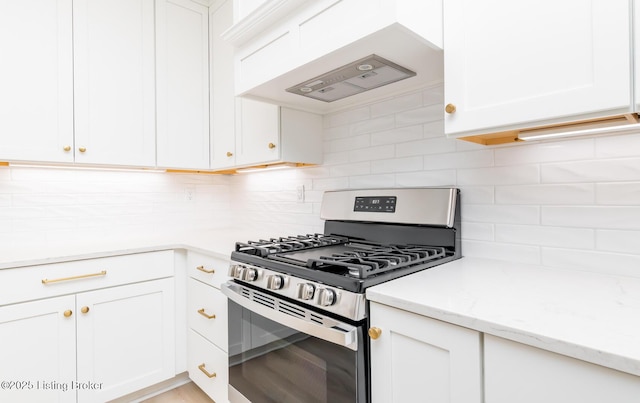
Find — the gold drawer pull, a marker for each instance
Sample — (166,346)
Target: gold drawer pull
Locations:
(57,280)
(201,312)
(202,269)
(84,309)
(204,371)
(68,313)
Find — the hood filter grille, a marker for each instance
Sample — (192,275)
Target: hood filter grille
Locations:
(360,76)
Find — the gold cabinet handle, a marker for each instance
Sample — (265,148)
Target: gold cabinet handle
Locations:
(206,315)
(57,280)
(84,309)
(68,313)
(229,154)
(450,108)
(375,332)
(272,146)
(204,371)
(202,269)
(67,148)
(82,149)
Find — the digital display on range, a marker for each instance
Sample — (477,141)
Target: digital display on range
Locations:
(376,204)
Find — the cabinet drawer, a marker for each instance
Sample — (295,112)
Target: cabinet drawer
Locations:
(208,269)
(205,357)
(43,281)
(207,312)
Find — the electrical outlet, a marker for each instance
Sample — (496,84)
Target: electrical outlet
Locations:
(190,193)
(300,193)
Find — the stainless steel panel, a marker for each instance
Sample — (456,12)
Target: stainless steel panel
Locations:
(424,206)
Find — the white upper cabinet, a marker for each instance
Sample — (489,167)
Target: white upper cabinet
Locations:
(36,81)
(114,69)
(182,66)
(269,134)
(222,90)
(514,64)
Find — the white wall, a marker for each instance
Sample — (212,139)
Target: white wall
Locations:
(51,206)
(571,203)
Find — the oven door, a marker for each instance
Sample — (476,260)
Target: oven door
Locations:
(282,352)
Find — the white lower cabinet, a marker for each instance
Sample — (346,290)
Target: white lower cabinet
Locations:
(416,358)
(98,339)
(515,372)
(125,340)
(207,339)
(38,351)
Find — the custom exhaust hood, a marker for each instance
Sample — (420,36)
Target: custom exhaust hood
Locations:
(313,55)
(362,75)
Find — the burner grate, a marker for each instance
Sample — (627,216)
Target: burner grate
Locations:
(268,247)
(365,260)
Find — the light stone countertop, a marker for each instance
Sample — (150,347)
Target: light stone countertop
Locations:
(588,316)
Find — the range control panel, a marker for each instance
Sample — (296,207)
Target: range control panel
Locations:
(376,204)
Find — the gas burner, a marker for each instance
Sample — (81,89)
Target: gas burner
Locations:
(365,260)
(265,248)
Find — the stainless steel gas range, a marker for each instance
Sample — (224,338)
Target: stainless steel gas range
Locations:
(298,316)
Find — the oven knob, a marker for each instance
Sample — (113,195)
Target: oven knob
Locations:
(305,291)
(234,271)
(326,297)
(275,282)
(249,274)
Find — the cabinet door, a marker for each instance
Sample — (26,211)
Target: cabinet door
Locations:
(38,351)
(208,367)
(257,132)
(515,372)
(509,63)
(126,338)
(36,81)
(223,133)
(114,73)
(183,84)
(421,359)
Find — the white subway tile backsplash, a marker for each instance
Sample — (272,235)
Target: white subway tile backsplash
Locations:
(597,217)
(469,159)
(371,181)
(618,146)
(521,175)
(350,143)
(581,193)
(397,104)
(407,164)
(503,214)
(610,170)
(372,153)
(546,236)
(545,152)
(618,264)
(399,135)
(478,231)
(356,168)
(434,130)
(618,193)
(501,251)
(618,241)
(374,125)
(424,114)
(429,146)
(433,95)
(426,178)
(346,117)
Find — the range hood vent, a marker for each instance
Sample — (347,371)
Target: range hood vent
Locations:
(362,75)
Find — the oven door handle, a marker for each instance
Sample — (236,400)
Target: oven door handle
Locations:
(330,329)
